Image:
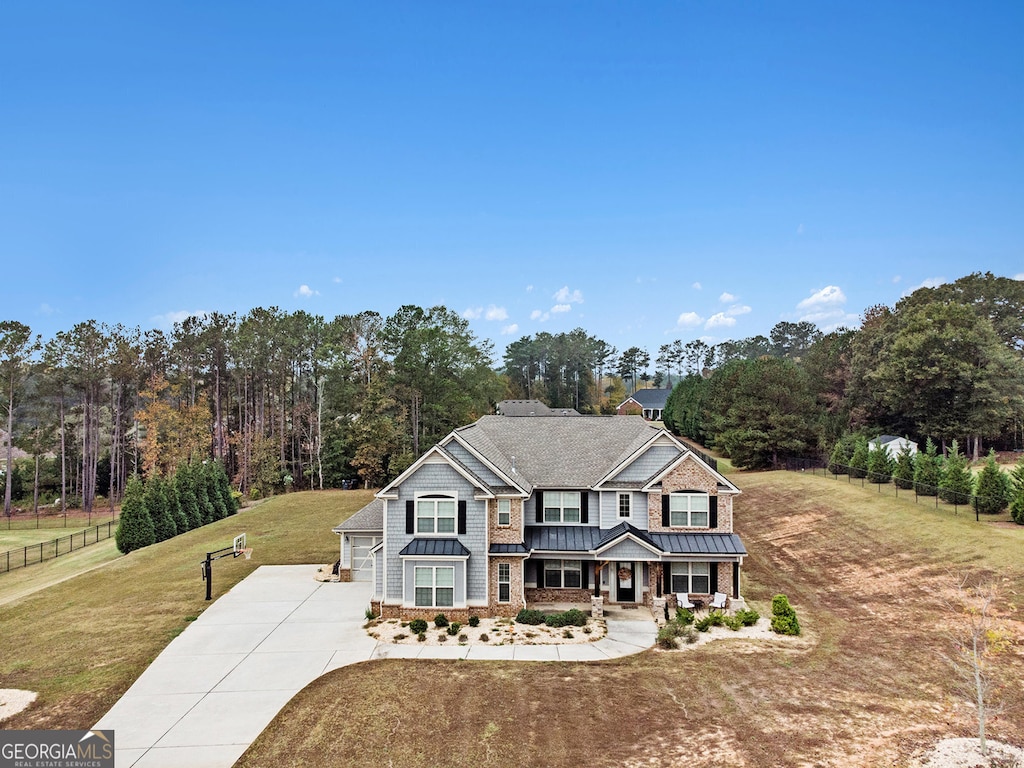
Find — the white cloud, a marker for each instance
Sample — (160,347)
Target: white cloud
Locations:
(1019,276)
(336,280)
(828,320)
(167,320)
(538,315)
(800,229)
(697,286)
(508,330)
(738,309)
(473,313)
(565,296)
(719,320)
(559,308)
(46,309)
(305,292)
(830,294)
(689,320)
(529,289)
(928,282)
(496,313)
(727,298)
(896,279)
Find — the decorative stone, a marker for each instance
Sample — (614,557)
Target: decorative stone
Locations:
(658,609)
(597,607)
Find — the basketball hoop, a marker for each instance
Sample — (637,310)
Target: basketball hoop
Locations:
(248,553)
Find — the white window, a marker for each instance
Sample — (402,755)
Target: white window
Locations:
(561,506)
(688,509)
(504,583)
(690,577)
(504,512)
(435,514)
(625,504)
(435,586)
(559,574)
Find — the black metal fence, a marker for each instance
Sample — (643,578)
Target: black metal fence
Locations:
(48,550)
(922,493)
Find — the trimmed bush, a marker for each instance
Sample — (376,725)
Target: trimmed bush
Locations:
(747,616)
(529,616)
(135,528)
(418,626)
(440,621)
(784,621)
(703,625)
(453,628)
(733,622)
(164,527)
(571,618)
(421,637)
(474,621)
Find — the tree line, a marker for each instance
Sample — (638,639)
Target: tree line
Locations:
(293,400)
(945,363)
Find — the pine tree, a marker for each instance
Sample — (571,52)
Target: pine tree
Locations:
(187,496)
(1017,493)
(224,488)
(206,509)
(927,470)
(839,459)
(859,460)
(993,490)
(156,504)
(879,465)
(903,473)
(135,529)
(220,511)
(956,484)
(174,506)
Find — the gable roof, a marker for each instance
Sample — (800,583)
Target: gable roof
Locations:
(649,398)
(557,453)
(439,452)
(532,408)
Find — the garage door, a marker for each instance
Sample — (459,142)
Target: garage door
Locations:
(362,562)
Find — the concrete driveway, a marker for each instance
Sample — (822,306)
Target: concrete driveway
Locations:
(211,692)
(214,689)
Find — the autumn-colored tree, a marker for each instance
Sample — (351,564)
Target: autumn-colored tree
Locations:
(176,430)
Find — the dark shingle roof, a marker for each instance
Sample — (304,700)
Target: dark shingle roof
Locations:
(558,453)
(369,518)
(650,398)
(435,548)
(532,408)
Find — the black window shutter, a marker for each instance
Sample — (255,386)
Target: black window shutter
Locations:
(735,579)
(713,567)
(462,518)
(410,516)
(713,505)
(584,508)
(585,574)
(664,509)
(540,506)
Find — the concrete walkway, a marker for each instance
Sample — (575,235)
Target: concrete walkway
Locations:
(216,686)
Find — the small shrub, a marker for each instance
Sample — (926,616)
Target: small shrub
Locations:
(440,621)
(717,618)
(684,616)
(733,623)
(474,621)
(667,636)
(422,637)
(463,638)
(442,637)
(368,614)
(703,625)
(784,621)
(530,616)
(484,638)
(453,628)
(418,626)
(689,635)
(401,636)
(747,616)
(571,618)
(587,630)
(567,634)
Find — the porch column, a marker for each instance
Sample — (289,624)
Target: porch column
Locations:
(597,579)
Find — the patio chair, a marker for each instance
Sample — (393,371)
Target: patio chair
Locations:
(683,601)
(719,602)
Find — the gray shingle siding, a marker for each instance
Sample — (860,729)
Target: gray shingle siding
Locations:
(472,463)
(438,478)
(626,550)
(646,465)
(609,510)
(410,577)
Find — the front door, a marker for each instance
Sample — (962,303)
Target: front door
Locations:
(625,586)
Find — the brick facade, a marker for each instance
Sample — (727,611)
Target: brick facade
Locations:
(689,476)
(515,587)
(545,595)
(505,534)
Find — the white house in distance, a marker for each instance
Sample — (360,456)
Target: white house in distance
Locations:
(893,445)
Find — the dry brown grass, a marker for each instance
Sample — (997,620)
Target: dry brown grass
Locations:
(868,690)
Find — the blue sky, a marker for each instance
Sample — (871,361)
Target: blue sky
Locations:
(648,171)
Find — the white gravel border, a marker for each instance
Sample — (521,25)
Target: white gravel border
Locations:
(13,701)
(965,753)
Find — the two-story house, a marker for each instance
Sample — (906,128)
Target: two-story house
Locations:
(510,511)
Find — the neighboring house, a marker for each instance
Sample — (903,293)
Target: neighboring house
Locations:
(511,511)
(531,408)
(893,445)
(649,403)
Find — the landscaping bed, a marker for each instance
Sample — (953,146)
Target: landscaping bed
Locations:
(487,631)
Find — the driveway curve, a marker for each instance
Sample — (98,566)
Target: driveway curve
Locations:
(217,685)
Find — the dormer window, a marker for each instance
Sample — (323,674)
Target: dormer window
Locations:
(435,514)
(688,510)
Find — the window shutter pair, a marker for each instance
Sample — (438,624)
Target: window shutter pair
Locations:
(410,517)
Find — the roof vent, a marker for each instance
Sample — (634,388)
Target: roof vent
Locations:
(513,465)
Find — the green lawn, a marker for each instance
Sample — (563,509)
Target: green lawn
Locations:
(82,642)
(21,538)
